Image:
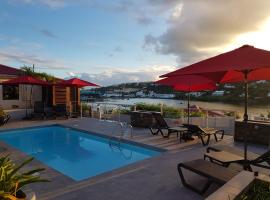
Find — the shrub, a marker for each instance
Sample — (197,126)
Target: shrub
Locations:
(12,181)
(168,111)
(196,114)
(2,112)
(258,190)
(85,107)
(125,111)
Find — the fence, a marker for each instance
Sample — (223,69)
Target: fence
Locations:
(113,112)
(224,123)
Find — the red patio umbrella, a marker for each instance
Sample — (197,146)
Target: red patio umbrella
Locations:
(25,80)
(188,83)
(76,82)
(243,64)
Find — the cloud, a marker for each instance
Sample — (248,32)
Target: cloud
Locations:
(117,76)
(144,20)
(49,3)
(48,33)
(198,28)
(144,12)
(12,55)
(118,49)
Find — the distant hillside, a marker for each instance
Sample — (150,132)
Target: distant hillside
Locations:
(259,92)
(132,87)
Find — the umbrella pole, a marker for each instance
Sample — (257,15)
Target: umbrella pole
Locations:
(246,115)
(188,106)
(26,112)
(75,108)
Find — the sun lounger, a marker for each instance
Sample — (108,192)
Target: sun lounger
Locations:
(231,149)
(225,156)
(212,172)
(162,125)
(204,132)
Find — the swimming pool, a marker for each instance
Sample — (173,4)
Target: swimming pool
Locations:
(74,153)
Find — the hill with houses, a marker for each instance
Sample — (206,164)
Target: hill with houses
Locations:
(259,92)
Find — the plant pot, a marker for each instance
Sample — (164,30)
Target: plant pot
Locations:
(20,195)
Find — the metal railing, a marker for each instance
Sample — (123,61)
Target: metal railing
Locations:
(115,141)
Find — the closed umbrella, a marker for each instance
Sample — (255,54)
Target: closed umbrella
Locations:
(243,64)
(25,80)
(188,83)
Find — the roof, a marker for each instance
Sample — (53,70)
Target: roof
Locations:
(6,70)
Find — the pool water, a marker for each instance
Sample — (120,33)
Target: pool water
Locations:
(74,153)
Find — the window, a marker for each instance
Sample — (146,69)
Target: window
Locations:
(10,92)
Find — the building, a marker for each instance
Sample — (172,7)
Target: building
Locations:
(195,94)
(15,96)
(218,93)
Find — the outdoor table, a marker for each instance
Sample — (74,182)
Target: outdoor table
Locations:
(223,157)
(180,131)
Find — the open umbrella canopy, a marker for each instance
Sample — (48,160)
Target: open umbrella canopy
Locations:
(188,83)
(232,66)
(246,63)
(75,82)
(26,80)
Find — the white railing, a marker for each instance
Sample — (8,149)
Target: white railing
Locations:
(112,112)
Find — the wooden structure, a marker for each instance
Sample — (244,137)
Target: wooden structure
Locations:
(67,95)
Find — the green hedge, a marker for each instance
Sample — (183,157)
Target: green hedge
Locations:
(168,111)
(259,190)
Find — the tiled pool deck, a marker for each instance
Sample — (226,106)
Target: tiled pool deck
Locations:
(156,178)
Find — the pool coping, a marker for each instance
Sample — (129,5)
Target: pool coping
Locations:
(161,150)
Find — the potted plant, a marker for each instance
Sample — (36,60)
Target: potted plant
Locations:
(13,179)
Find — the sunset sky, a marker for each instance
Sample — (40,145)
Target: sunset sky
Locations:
(117,41)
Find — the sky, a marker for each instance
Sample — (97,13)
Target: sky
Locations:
(117,41)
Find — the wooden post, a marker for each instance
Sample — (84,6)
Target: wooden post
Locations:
(54,95)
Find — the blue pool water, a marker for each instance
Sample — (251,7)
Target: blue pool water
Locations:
(74,153)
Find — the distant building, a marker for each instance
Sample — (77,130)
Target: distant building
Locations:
(140,94)
(196,94)
(112,95)
(229,86)
(165,96)
(218,93)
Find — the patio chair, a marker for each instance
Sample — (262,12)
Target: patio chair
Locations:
(4,119)
(60,110)
(212,172)
(39,109)
(161,125)
(226,155)
(204,132)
